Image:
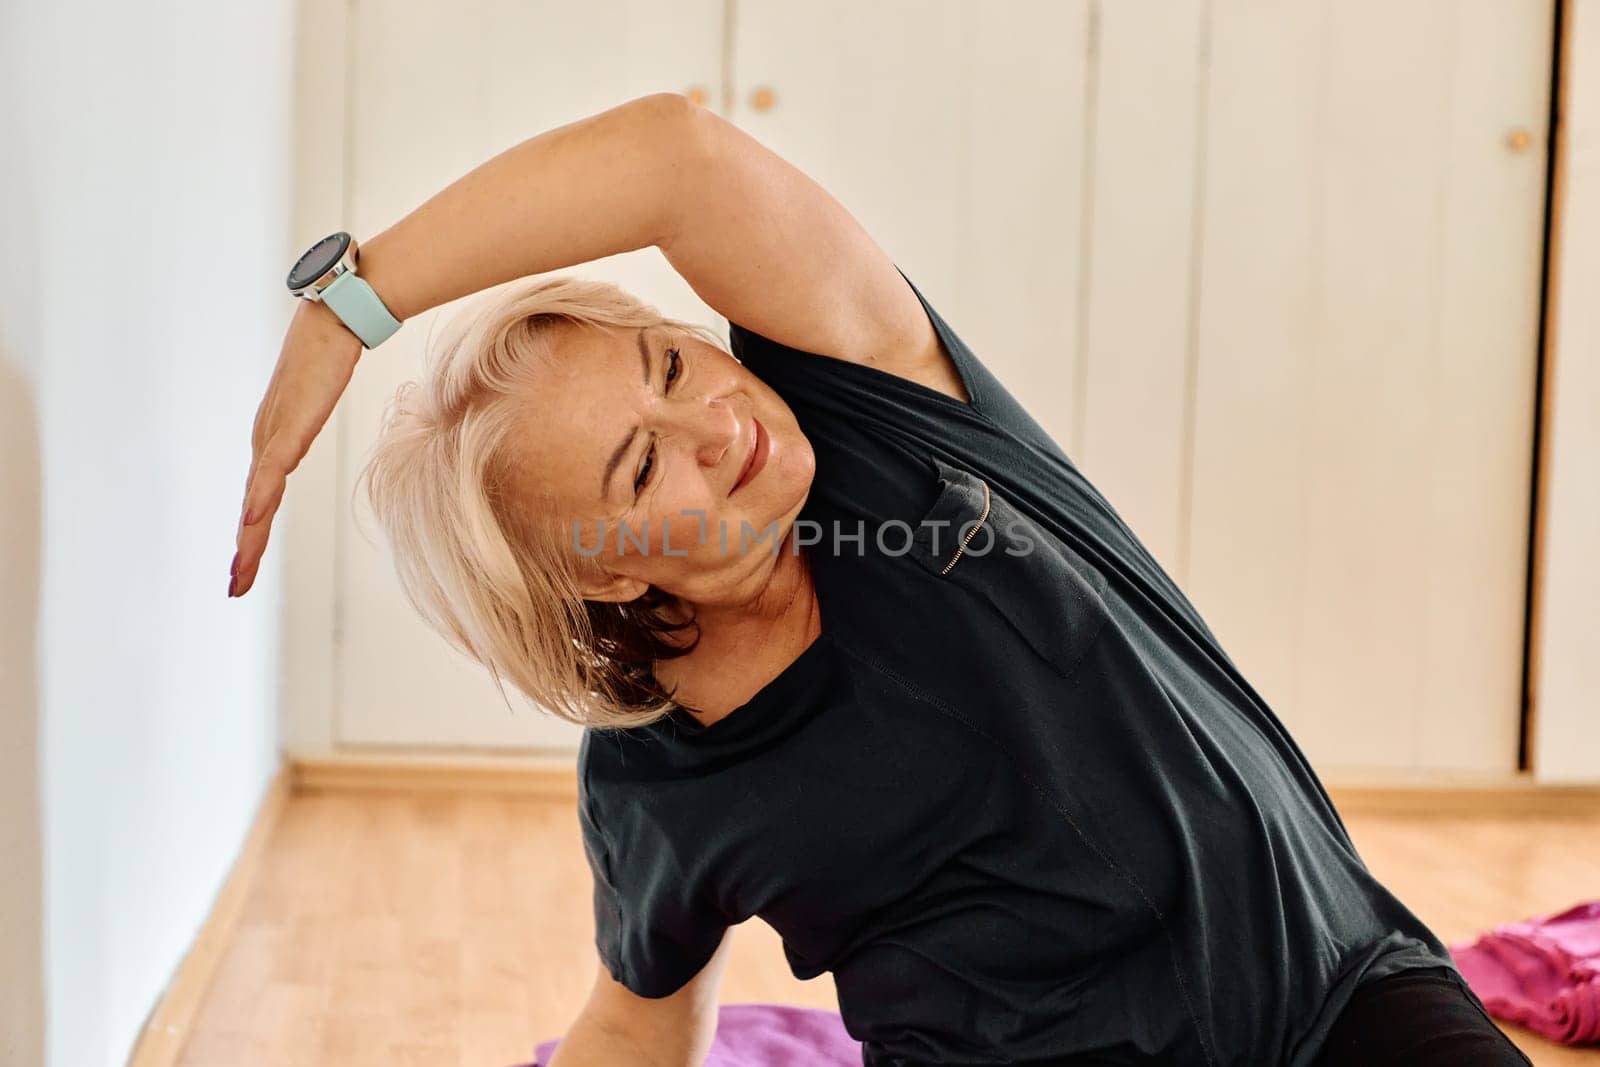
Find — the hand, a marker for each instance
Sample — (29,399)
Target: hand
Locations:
(318,357)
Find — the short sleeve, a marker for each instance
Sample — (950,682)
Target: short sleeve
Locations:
(654,928)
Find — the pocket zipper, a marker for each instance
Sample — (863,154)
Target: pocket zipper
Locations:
(962,547)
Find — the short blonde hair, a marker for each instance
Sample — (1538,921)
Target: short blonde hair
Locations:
(497,584)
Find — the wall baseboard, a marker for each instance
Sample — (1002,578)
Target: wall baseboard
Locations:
(1443,793)
(167,1029)
(1461,795)
(554,777)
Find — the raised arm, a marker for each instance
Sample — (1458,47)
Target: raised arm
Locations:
(760,242)
(592,188)
(605,184)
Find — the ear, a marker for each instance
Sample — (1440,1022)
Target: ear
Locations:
(611,588)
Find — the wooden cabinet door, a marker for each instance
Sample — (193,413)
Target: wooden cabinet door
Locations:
(954,131)
(436,90)
(1371,221)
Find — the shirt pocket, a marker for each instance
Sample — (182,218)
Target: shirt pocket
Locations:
(974,537)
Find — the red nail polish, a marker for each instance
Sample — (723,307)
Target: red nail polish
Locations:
(233,581)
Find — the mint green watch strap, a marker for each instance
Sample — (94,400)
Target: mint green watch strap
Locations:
(359,308)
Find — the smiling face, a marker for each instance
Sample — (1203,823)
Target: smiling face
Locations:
(635,432)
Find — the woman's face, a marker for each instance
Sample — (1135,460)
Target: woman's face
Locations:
(681,469)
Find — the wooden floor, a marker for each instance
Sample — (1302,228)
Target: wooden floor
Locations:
(446,929)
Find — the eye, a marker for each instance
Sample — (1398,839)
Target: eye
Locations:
(644,472)
(674,361)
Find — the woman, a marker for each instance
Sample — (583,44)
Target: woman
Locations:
(859,649)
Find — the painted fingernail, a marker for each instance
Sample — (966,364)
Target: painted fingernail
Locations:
(232,582)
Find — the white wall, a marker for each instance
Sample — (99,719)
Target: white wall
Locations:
(144,198)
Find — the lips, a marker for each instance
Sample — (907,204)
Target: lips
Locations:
(760,449)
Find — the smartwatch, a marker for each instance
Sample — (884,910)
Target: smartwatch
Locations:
(327,272)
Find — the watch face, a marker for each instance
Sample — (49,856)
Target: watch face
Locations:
(318,260)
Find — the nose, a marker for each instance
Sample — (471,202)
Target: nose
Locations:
(711,426)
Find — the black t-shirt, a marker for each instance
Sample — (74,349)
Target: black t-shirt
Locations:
(1015,797)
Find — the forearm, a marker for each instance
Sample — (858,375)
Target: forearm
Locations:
(589,1042)
(592,188)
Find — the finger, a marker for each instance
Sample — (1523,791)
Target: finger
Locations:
(259,435)
(263,498)
(245,517)
(244,508)
(252,547)
(251,540)
(244,499)
(278,460)
(266,411)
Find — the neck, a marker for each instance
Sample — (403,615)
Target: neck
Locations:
(781,589)
(744,644)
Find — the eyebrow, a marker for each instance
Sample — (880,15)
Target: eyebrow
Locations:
(621,450)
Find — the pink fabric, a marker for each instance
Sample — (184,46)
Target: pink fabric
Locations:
(770,1035)
(1542,973)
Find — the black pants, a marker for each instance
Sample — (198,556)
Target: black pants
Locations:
(1417,1018)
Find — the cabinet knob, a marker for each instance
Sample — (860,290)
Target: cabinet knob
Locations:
(697,95)
(1519,139)
(762,98)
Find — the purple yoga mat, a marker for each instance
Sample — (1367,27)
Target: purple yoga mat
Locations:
(769,1035)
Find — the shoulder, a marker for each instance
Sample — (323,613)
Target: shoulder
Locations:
(907,345)
(616,801)
(763,244)
(603,774)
